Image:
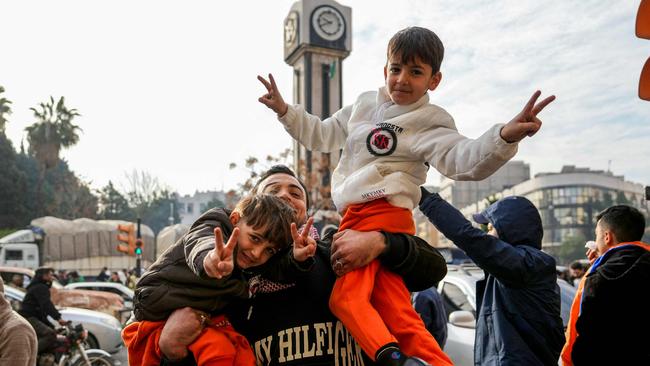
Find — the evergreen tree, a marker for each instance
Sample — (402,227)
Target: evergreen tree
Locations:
(113,205)
(13,187)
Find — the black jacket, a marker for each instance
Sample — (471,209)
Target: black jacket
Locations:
(38,303)
(613,320)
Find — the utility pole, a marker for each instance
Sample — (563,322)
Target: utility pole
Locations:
(138,251)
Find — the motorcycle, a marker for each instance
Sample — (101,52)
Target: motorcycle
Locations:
(71,350)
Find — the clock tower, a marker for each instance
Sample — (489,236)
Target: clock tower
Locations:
(317,37)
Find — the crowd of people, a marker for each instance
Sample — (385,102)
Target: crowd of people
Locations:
(257,285)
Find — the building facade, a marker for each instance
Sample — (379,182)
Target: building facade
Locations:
(464,193)
(569,200)
(191,207)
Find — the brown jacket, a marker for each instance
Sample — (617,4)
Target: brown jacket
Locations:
(17,337)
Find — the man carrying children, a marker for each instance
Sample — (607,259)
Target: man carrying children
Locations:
(389,138)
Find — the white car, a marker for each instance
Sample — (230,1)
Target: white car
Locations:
(104,331)
(458,290)
(114,287)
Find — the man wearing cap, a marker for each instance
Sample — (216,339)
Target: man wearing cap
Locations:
(37,305)
(518,301)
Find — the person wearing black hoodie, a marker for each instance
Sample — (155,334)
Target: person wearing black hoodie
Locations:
(518,301)
(37,305)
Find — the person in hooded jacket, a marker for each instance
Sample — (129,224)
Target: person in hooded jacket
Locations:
(518,301)
(37,305)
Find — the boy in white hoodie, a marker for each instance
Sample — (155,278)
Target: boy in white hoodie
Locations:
(389,138)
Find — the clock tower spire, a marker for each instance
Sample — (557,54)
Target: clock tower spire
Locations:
(317,37)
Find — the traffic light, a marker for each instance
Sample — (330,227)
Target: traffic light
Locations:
(126,237)
(138,246)
(643,31)
(138,241)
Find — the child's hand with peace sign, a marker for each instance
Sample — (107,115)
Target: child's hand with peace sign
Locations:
(526,122)
(219,261)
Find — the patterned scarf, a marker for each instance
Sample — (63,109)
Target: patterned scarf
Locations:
(258,284)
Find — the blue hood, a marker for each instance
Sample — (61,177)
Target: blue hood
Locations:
(517,221)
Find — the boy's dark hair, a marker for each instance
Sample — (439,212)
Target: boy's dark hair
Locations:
(280,169)
(270,214)
(626,222)
(417,42)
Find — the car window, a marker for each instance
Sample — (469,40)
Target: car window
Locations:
(567,293)
(115,291)
(455,299)
(16,305)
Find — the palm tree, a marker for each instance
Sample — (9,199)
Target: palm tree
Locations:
(52,131)
(4,109)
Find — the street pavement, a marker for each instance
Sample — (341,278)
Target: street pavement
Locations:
(122,357)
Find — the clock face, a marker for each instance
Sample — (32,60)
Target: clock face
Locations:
(291,29)
(328,23)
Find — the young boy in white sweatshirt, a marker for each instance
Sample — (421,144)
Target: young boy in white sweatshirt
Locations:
(389,138)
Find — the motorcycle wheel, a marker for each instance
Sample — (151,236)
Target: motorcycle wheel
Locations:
(95,361)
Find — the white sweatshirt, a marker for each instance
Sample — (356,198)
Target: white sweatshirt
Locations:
(387,148)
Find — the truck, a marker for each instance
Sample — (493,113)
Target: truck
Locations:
(83,245)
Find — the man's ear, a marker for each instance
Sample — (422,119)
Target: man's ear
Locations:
(609,238)
(234,218)
(385,72)
(434,82)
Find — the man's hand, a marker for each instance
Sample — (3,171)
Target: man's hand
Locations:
(62,322)
(526,122)
(353,249)
(181,329)
(304,246)
(592,255)
(272,98)
(219,261)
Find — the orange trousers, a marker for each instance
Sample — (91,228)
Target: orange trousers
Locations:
(372,302)
(218,345)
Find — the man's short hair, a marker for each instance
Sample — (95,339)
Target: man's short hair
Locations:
(576,265)
(270,214)
(42,271)
(417,42)
(280,169)
(626,222)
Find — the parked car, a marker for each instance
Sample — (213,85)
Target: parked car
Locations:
(112,287)
(458,290)
(108,303)
(103,329)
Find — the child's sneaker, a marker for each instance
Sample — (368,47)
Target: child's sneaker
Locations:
(391,355)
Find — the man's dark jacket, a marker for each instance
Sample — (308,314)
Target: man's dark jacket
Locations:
(518,301)
(38,303)
(293,325)
(612,312)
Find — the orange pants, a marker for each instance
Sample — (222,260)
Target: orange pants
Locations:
(372,302)
(218,345)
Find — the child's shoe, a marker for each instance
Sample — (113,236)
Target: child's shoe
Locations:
(390,355)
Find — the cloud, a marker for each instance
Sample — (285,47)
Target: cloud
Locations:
(170,87)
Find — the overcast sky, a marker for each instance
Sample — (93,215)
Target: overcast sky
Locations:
(169,87)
